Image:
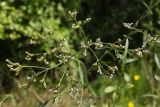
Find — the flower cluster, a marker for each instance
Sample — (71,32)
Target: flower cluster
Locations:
(128,25)
(16,67)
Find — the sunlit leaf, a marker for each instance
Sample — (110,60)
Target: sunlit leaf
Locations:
(130,60)
(126,77)
(126,49)
(157,61)
(129,85)
(109,89)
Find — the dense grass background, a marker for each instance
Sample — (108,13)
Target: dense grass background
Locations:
(44,33)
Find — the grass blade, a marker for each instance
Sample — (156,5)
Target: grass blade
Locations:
(157,61)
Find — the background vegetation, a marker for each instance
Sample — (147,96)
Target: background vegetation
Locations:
(88,53)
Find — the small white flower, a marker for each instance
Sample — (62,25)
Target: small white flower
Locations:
(128,25)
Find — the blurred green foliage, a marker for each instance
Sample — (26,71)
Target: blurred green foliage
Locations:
(38,26)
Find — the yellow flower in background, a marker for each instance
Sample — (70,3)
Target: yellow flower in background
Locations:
(131,104)
(136,77)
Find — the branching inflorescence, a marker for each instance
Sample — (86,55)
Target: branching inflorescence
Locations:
(119,51)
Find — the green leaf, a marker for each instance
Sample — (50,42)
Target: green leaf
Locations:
(80,72)
(109,89)
(129,85)
(126,48)
(129,60)
(126,77)
(157,61)
(148,8)
(150,95)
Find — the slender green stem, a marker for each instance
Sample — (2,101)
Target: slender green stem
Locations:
(93,53)
(4,99)
(104,63)
(82,92)
(81,29)
(86,78)
(61,78)
(49,69)
(83,33)
(34,67)
(145,43)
